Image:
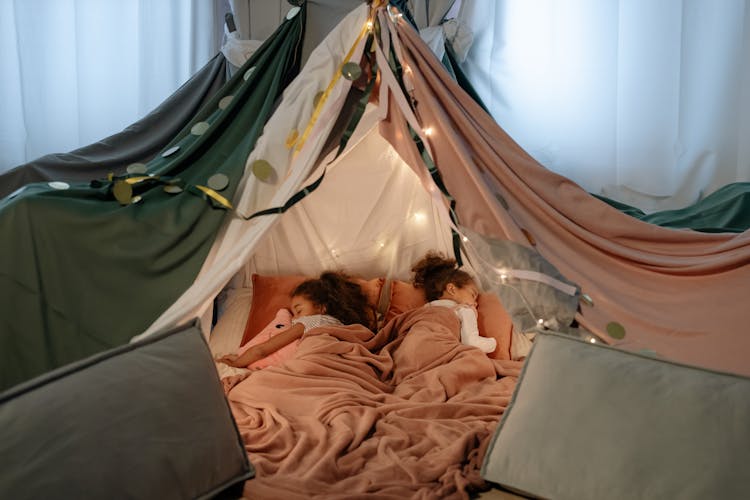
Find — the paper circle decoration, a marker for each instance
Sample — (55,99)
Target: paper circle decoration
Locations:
(262,170)
(170,151)
(225,101)
(123,192)
(351,71)
(199,128)
(217,182)
(136,168)
(615,330)
(292,12)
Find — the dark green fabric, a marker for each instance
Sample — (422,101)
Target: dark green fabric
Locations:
(454,68)
(79,273)
(725,210)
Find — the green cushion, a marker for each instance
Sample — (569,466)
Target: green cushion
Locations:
(590,421)
(146,420)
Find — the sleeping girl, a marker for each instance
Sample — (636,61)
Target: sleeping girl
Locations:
(331,299)
(445,285)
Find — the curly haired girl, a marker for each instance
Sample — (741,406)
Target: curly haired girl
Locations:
(445,285)
(331,299)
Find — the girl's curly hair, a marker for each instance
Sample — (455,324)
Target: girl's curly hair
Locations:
(341,297)
(435,271)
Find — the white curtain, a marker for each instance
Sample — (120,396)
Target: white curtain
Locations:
(644,101)
(76,71)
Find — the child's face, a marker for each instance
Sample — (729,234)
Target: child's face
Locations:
(466,294)
(302,306)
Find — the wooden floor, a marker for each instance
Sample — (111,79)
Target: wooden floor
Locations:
(497,494)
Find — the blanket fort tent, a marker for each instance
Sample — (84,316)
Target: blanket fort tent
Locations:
(373,156)
(650,288)
(666,290)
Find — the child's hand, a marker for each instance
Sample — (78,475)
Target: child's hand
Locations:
(229,359)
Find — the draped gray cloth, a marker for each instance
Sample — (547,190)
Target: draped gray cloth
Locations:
(139,142)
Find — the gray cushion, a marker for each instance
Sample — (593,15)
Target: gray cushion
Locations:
(590,421)
(146,420)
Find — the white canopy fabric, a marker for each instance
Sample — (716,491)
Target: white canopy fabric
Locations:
(371,216)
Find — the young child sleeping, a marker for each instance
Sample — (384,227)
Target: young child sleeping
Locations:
(447,286)
(331,299)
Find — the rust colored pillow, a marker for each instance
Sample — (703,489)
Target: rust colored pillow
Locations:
(404,297)
(271,293)
(493,320)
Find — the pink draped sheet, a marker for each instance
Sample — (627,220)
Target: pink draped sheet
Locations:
(680,293)
(404,413)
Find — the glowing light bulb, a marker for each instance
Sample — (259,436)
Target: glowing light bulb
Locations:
(540,322)
(592,340)
(465,239)
(502,273)
(428,131)
(369,25)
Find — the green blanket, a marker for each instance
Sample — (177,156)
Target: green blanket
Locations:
(726,210)
(81,272)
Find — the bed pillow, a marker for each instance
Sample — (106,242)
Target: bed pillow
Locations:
(271,293)
(226,335)
(493,320)
(591,421)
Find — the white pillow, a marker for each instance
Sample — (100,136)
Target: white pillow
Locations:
(226,336)
(590,421)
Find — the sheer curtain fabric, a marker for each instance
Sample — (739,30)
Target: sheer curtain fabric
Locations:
(645,102)
(76,71)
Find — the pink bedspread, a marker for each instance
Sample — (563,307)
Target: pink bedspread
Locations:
(404,413)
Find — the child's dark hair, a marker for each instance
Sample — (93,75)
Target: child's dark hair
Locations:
(342,298)
(433,273)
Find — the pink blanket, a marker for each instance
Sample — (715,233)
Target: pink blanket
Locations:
(404,413)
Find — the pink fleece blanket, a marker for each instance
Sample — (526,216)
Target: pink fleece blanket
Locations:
(404,413)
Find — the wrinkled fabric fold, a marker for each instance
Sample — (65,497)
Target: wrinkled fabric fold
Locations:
(404,413)
(138,142)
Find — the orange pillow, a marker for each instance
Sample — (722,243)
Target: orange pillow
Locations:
(493,320)
(404,297)
(271,293)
